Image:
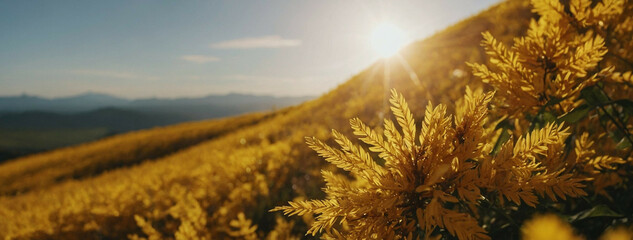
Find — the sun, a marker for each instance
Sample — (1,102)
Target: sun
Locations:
(387,39)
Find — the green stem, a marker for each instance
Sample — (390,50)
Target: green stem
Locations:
(618,123)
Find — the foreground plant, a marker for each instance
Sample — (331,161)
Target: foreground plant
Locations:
(574,65)
(433,182)
(460,176)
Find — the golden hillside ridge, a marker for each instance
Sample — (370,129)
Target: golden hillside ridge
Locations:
(90,159)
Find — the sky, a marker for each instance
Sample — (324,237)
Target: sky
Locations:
(142,48)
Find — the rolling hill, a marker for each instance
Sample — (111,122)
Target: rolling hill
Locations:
(93,158)
(30,124)
(226,184)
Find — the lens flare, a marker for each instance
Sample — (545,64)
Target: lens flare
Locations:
(387,39)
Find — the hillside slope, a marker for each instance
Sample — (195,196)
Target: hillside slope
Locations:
(77,162)
(214,187)
(32,132)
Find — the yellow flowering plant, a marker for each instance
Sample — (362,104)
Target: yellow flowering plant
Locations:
(564,91)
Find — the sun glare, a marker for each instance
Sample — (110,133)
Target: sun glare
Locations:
(387,39)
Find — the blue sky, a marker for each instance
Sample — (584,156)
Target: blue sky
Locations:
(142,48)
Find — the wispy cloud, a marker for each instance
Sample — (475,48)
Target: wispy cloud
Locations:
(272,41)
(113,74)
(199,58)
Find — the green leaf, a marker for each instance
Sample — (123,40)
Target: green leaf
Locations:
(623,144)
(504,124)
(505,135)
(575,115)
(597,211)
(594,96)
(548,117)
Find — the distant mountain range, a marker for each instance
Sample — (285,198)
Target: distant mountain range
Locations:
(30,124)
(113,119)
(83,102)
(213,105)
